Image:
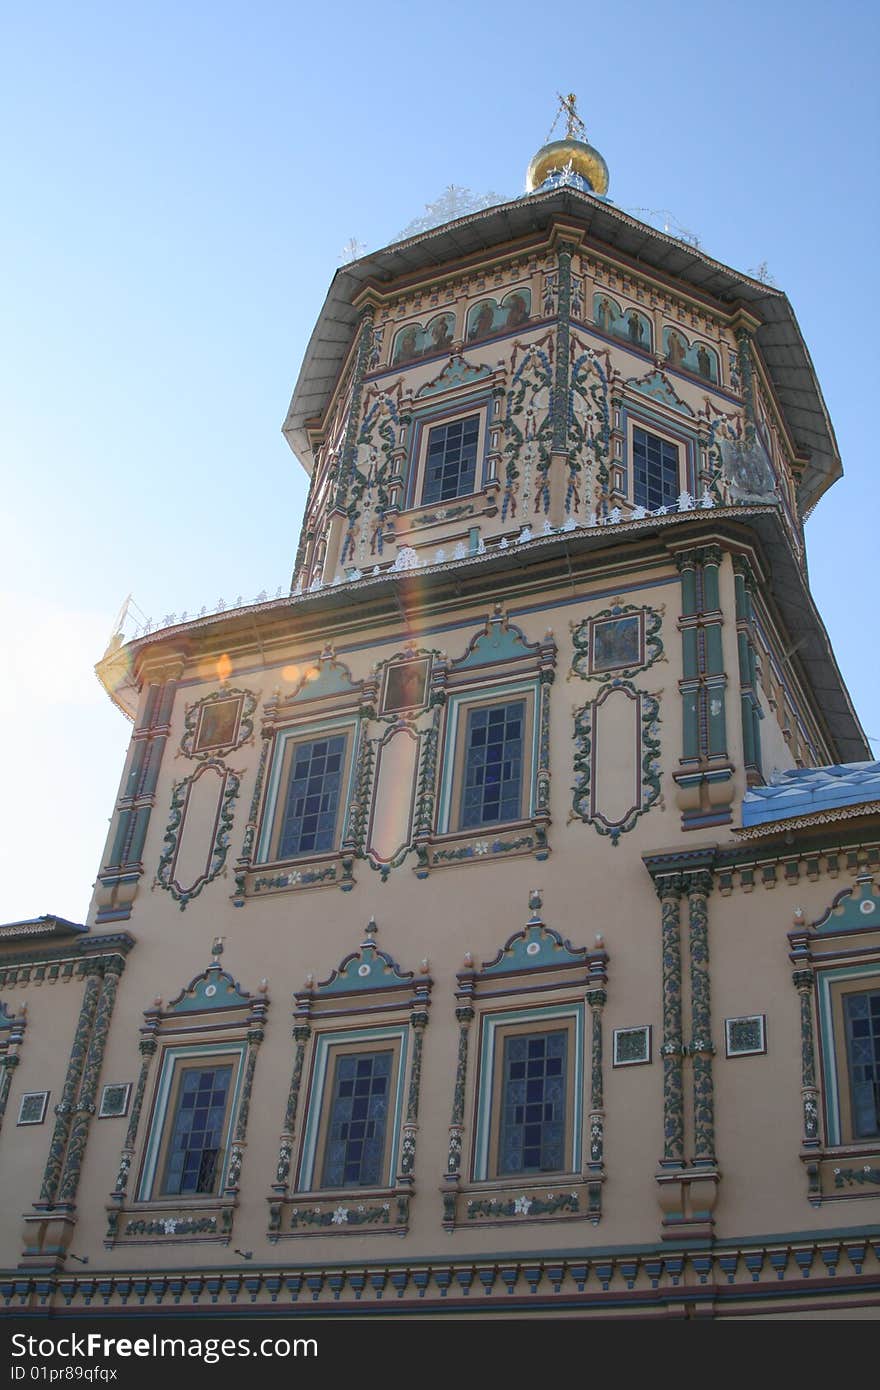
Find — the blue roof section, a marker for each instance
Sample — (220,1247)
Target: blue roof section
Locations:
(806,791)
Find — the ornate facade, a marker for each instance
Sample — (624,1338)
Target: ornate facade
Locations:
(492,923)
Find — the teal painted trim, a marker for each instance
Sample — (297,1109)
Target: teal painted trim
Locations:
(498,644)
(170,1060)
(324,1045)
(848,912)
(518,954)
(196,999)
(301,733)
(454,705)
(711,592)
(482,1135)
(333,679)
(351,974)
(658,385)
(457,372)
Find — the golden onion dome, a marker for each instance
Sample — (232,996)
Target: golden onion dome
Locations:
(560,156)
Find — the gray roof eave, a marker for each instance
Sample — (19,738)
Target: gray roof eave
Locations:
(779,338)
(786,583)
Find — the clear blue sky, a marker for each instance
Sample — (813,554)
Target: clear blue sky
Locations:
(178,181)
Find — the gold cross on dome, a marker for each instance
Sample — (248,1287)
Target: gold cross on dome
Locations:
(575,127)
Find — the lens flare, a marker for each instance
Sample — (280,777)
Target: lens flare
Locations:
(224,667)
(291,674)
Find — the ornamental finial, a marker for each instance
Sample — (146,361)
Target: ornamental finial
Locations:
(575,128)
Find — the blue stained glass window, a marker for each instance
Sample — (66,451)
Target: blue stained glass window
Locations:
(532,1138)
(195,1146)
(493,764)
(655,471)
(451,462)
(355,1144)
(862,1014)
(312,801)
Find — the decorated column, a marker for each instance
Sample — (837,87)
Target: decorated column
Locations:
(85,1106)
(254,1038)
(465,1016)
(147,1047)
(64,1108)
(668,887)
(301,1033)
(596,998)
(418,1021)
(803,983)
(699,886)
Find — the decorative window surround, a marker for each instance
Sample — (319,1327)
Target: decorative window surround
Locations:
(634,646)
(12,1030)
(837,955)
(219,723)
(498,666)
(325,700)
(366,983)
(569,979)
(211,1018)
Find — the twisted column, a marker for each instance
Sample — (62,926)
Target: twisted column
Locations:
(254,1038)
(408,1152)
(803,982)
(302,1033)
(465,1015)
(668,889)
(148,1051)
(75,1065)
(85,1106)
(699,886)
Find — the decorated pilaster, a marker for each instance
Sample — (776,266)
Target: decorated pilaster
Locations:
(596,998)
(750,705)
(803,983)
(147,1048)
(301,1034)
(336,519)
(246,858)
(75,1066)
(120,875)
(704,778)
(14,1028)
(418,1022)
(255,1033)
(550,489)
(698,887)
(669,887)
(85,1106)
